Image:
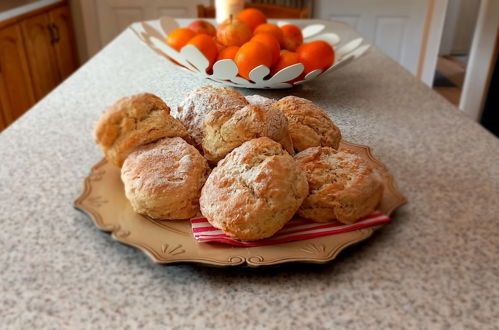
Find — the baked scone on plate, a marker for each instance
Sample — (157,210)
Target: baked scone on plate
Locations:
(164,179)
(309,125)
(201,101)
(133,121)
(342,185)
(254,191)
(259,100)
(226,129)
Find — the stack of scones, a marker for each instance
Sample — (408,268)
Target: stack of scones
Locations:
(247,164)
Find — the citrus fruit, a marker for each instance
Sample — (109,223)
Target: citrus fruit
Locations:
(206,45)
(271,42)
(292,36)
(251,55)
(272,29)
(252,17)
(315,55)
(286,59)
(228,53)
(178,38)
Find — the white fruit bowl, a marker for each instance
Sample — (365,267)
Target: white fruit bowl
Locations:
(225,71)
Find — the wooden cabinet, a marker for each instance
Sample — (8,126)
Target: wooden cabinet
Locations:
(64,45)
(38,37)
(37,52)
(16,93)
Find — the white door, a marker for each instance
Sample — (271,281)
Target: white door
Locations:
(116,15)
(395,26)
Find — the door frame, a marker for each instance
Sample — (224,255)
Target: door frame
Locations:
(481,60)
(432,36)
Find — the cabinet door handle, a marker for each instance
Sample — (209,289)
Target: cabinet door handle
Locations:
(57,33)
(52,33)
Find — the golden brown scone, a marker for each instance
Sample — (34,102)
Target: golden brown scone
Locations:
(134,121)
(226,129)
(163,179)
(200,102)
(342,185)
(309,125)
(254,191)
(259,100)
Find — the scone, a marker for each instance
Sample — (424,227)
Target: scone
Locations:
(134,121)
(200,102)
(226,129)
(259,100)
(342,185)
(254,191)
(163,179)
(309,125)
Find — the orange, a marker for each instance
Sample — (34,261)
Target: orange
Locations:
(228,53)
(252,17)
(178,38)
(293,37)
(272,44)
(315,55)
(272,29)
(286,59)
(233,32)
(251,55)
(206,45)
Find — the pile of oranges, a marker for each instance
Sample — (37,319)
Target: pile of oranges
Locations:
(250,41)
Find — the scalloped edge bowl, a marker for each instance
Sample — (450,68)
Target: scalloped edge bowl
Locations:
(225,71)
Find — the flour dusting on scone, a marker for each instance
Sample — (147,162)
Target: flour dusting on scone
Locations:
(200,102)
(226,129)
(134,121)
(163,180)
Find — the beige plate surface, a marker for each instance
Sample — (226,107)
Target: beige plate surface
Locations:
(103,200)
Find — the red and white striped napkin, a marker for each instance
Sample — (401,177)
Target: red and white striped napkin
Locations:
(294,230)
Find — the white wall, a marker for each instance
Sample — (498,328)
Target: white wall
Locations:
(395,26)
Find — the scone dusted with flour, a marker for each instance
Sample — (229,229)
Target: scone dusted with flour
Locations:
(163,180)
(134,121)
(226,129)
(200,102)
(254,191)
(309,125)
(342,185)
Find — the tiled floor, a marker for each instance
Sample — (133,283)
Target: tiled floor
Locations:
(453,70)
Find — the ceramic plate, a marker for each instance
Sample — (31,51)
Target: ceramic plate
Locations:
(103,200)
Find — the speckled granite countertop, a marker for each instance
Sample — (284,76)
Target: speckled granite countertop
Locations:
(434,266)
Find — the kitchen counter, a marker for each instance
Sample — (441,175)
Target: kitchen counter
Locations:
(13,8)
(434,266)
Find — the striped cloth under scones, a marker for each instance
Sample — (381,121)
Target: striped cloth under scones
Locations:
(294,230)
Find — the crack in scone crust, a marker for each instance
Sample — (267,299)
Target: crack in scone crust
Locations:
(200,102)
(254,190)
(226,129)
(342,185)
(309,125)
(134,121)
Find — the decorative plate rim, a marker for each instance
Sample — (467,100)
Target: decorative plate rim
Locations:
(168,254)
